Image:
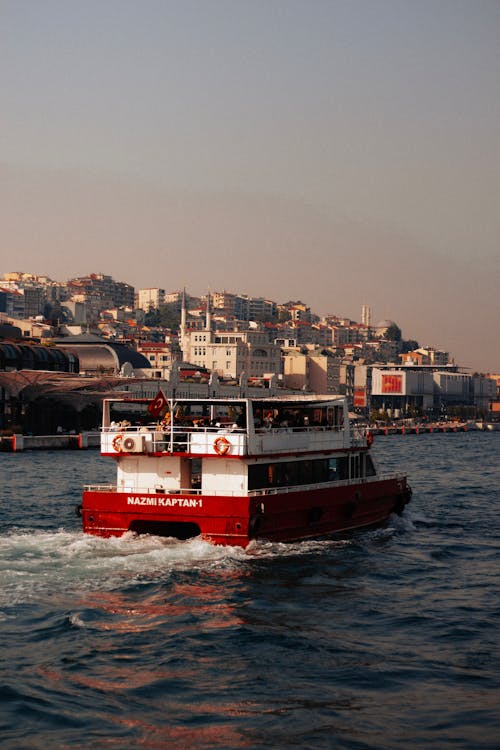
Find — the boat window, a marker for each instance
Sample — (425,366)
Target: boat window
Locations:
(305,472)
(320,471)
(257,476)
(343,467)
(355,467)
(370,468)
(332,469)
(294,473)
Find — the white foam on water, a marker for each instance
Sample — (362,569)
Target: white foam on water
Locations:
(33,564)
(405,521)
(39,564)
(76,620)
(264,549)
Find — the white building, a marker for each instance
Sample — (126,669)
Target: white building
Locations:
(397,390)
(229,353)
(150,299)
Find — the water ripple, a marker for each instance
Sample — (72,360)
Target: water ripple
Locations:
(380,640)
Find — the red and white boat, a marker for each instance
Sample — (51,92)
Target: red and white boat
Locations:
(233,470)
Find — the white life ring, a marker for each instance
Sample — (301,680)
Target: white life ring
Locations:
(117,443)
(221,446)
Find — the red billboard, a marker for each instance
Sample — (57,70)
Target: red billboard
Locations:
(359,397)
(392,384)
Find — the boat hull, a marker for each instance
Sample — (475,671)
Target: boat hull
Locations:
(237,520)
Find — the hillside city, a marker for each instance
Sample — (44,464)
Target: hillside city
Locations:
(102,328)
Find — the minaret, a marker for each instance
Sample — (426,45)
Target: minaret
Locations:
(183,330)
(208,324)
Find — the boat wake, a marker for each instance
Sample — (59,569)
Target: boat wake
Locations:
(37,565)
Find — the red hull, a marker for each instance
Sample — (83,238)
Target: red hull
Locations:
(284,516)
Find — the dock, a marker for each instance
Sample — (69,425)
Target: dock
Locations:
(80,441)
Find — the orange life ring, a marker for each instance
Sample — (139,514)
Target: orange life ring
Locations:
(221,445)
(369,438)
(117,443)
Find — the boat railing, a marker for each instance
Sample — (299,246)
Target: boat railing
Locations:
(207,439)
(153,438)
(324,485)
(261,492)
(359,436)
(154,490)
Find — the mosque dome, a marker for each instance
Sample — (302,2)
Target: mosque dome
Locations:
(386,323)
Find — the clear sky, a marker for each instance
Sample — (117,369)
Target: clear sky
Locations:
(341,152)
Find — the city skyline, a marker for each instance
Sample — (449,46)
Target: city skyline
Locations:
(339,153)
(23,280)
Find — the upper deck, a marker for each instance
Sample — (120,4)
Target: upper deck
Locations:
(229,427)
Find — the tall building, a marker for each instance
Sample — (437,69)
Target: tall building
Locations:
(150,299)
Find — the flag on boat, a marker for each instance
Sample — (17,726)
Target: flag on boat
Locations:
(158,405)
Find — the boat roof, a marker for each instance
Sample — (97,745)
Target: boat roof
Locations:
(313,398)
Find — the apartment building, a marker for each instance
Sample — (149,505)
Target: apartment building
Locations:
(242,307)
(231,353)
(111,293)
(426,356)
(150,299)
(314,370)
(161,354)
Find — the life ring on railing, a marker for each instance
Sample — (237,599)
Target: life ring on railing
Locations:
(117,443)
(221,446)
(369,438)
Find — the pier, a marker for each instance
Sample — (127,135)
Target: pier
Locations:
(439,427)
(80,441)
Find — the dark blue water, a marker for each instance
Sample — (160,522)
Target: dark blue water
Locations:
(387,639)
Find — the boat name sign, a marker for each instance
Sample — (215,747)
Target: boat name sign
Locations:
(166,502)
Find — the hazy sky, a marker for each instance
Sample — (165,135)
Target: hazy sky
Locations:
(338,152)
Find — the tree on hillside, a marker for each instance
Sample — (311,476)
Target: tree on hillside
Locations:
(393,333)
(409,345)
(166,315)
(284,315)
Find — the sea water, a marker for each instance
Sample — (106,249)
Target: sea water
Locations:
(386,638)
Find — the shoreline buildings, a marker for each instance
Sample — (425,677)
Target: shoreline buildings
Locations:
(235,340)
